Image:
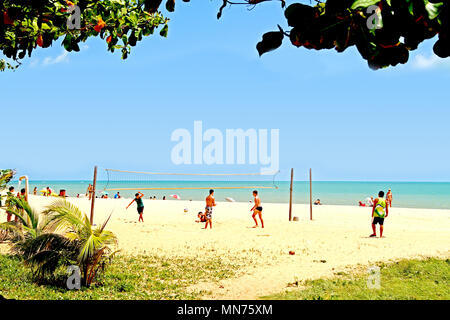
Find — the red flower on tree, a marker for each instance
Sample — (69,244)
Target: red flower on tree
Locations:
(40,41)
(6,18)
(100,25)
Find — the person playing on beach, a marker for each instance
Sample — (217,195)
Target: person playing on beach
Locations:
(35,191)
(117,196)
(49,192)
(210,203)
(257,210)
(389,198)
(201,217)
(317,202)
(379,212)
(140,205)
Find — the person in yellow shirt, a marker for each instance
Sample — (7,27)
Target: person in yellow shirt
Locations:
(379,212)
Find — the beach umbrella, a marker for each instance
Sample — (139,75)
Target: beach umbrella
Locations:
(175,196)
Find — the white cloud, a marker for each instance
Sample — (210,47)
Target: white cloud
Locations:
(34,63)
(63,57)
(425,63)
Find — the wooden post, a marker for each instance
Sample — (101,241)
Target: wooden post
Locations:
(26,186)
(290,198)
(310,195)
(94,184)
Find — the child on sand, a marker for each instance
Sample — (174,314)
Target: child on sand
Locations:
(140,205)
(257,210)
(210,203)
(379,212)
(201,217)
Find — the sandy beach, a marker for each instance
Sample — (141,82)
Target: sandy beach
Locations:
(336,239)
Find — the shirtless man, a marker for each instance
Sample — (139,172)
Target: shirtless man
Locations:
(389,198)
(257,210)
(210,203)
(90,191)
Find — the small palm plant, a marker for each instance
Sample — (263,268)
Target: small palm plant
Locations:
(93,244)
(60,236)
(33,238)
(30,224)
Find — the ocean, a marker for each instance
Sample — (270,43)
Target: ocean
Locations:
(434,195)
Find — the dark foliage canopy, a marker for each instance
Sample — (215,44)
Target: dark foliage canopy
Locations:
(383,31)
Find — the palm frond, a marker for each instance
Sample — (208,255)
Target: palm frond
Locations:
(11,231)
(23,211)
(63,215)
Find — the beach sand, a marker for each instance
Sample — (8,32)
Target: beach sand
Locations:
(336,240)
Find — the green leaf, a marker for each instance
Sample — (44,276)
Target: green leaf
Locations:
(170,5)
(164,31)
(363,3)
(270,41)
(433,9)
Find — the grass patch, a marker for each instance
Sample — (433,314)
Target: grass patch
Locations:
(404,280)
(140,277)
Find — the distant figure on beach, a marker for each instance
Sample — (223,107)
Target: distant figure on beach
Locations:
(389,198)
(201,217)
(117,196)
(317,202)
(164,198)
(9,204)
(379,212)
(49,192)
(140,205)
(35,191)
(257,210)
(21,194)
(210,203)
(90,191)
(369,201)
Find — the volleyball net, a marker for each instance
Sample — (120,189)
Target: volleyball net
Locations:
(124,180)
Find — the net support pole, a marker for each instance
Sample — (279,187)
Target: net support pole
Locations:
(290,194)
(26,186)
(310,195)
(94,184)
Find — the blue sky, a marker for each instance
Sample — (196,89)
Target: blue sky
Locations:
(64,113)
